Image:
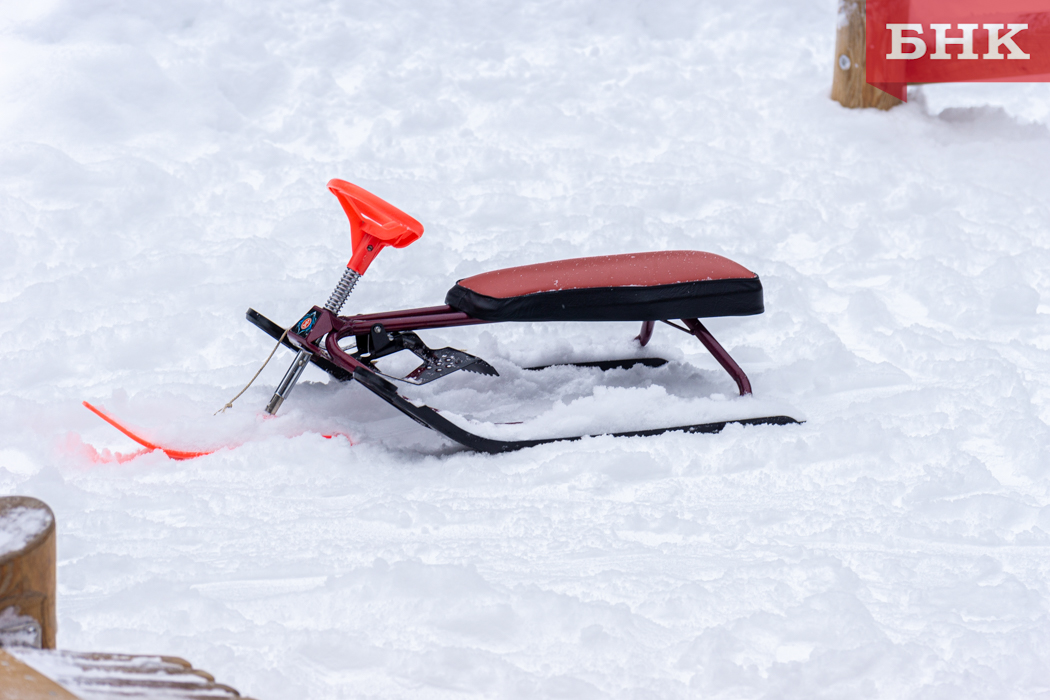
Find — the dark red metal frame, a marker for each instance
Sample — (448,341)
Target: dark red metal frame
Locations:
(338,327)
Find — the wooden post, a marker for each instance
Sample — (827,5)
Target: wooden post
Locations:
(27,571)
(849,87)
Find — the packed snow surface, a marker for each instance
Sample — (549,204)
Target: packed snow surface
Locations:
(163,168)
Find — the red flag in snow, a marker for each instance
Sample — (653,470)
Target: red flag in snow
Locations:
(956,41)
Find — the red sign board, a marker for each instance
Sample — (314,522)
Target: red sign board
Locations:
(956,41)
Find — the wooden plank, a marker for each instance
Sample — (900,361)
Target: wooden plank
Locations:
(21,682)
(97,675)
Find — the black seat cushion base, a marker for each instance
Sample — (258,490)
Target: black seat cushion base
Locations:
(699,299)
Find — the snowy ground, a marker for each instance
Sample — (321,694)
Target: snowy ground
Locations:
(163,167)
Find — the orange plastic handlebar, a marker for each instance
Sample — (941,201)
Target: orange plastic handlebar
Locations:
(374,223)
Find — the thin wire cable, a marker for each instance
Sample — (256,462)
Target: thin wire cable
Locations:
(229,404)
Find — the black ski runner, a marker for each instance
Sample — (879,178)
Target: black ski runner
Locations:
(606,365)
(431,418)
(425,415)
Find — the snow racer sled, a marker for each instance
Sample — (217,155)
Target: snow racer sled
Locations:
(643,287)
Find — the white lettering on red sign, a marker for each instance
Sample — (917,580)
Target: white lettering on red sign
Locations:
(899,40)
(995,41)
(917,46)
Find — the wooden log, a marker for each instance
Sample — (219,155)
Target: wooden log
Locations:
(849,87)
(27,572)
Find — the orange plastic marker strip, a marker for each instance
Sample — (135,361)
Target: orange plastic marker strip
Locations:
(173,454)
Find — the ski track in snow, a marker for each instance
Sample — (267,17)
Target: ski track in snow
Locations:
(162,168)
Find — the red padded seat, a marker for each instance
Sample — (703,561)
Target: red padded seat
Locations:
(632,287)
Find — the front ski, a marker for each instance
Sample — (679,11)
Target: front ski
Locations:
(150,447)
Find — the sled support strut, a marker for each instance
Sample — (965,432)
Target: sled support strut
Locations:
(715,348)
(646,334)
